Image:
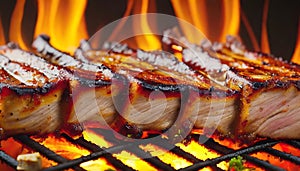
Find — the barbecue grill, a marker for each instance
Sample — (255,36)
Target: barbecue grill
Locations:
(225,152)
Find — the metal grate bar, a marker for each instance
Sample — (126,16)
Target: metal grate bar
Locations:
(230,153)
(96,155)
(44,150)
(95,148)
(155,161)
(97,152)
(179,152)
(8,160)
(293,143)
(283,155)
(225,150)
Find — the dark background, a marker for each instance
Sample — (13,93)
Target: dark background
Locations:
(283,18)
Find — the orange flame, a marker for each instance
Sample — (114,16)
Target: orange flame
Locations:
(187,10)
(250,31)
(296,55)
(231,20)
(71,151)
(264,31)
(197,13)
(2,37)
(141,25)
(63,21)
(15,33)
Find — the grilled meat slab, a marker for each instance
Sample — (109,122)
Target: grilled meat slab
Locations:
(210,86)
(205,108)
(90,86)
(150,98)
(269,87)
(31,102)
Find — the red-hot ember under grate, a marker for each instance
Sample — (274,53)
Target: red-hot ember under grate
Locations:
(225,152)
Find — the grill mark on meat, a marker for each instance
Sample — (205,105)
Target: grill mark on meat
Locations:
(256,76)
(25,99)
(253,91)
(85,70)
(201,103)
(24,74)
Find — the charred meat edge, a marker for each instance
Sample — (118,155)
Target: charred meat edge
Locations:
(211,108)
(23,105)
(268,101)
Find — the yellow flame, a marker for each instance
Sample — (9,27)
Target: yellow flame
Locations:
(202,17)
(133,161)
(296,55)
(166,156)
(15,32)
(231,19)
(141,25)
(193,12)
(70,151)
(63,21)
(2,37)
(202,153)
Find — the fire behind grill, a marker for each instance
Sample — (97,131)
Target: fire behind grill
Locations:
(134,148)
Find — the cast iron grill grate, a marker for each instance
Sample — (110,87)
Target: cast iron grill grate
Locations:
(132,147)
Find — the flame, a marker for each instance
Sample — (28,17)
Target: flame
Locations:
(2,37)
(141,25)
(15,33)
(231,11)
(198,14)
(250,31)
(296,55)
(63,21)
(70,151)
(202,153)
(168,157)
(264,31)
(184,10)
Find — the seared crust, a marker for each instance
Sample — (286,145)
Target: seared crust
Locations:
(98,73)
(192,90)
(268,86)
(39,108)
(239,92)
(92,96)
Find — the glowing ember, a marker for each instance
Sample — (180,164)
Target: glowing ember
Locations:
(70,151)
(133,161)
(12,148)
(202,153)
(168,157)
